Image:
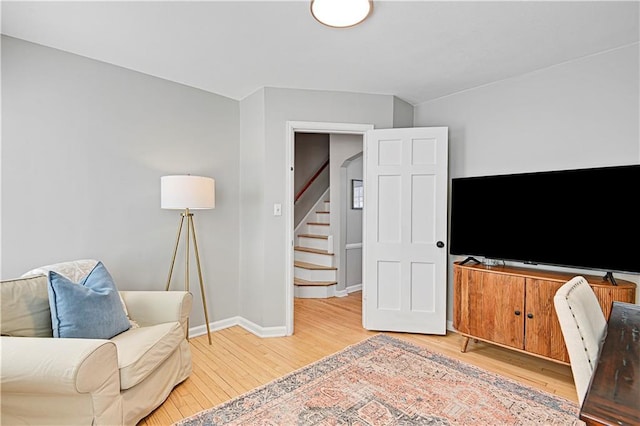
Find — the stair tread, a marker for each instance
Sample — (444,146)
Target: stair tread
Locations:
(300,281)
(321,237)
(312,250)
(317,223)
(313,266)
(323,212)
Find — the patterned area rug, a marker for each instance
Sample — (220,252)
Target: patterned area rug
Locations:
(387,381)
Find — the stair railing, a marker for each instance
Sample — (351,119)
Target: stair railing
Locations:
(311,180)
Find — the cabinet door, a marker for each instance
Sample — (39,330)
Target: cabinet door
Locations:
(543,334)
(494,307)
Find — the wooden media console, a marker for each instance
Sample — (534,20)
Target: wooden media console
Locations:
(513,307)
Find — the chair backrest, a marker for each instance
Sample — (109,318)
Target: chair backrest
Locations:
(24,301)
(583,326)
(74,270)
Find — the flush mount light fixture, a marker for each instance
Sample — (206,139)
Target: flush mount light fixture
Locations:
(341,13)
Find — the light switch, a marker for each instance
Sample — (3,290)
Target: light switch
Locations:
(277,209)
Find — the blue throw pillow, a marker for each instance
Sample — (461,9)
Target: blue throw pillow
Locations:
(90,309)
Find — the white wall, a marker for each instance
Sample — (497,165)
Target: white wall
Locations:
(84,145)
(583,113)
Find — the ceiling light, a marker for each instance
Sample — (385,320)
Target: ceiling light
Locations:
(341,13)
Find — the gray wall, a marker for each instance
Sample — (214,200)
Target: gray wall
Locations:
(583,113)
(268,272)
(252,205)
(84,145)
(311,151)
(353,255)
(342,148)
(402,113)
(354,170)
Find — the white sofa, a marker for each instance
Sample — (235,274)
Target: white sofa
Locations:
(74,381)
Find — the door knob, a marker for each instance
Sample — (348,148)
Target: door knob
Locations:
(439,244)
(529,315)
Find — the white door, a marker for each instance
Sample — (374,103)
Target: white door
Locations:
(405,230)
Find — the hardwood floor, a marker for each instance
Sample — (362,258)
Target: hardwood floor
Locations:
(238,361)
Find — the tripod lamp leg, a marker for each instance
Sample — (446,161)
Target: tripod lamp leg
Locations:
(204,298)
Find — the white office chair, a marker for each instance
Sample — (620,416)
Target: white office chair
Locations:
(583,326)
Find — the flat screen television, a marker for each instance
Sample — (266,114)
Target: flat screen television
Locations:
(582,218)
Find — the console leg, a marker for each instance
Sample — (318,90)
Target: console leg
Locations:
(465,342)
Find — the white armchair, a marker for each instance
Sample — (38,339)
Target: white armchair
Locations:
(75,381)
(583,327)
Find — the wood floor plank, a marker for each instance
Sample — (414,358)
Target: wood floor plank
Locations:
(237,361)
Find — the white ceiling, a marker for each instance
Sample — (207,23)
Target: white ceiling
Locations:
(416,50)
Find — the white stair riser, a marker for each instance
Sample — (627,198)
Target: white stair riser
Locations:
(314,292)
(315,274)
(315,258)
(316,243)
(318,229)
(323,217)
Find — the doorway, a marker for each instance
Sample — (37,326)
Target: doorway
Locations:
(336,129)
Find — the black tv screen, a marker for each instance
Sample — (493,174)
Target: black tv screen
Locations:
(583,218)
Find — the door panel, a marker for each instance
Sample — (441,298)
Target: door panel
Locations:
(405,215)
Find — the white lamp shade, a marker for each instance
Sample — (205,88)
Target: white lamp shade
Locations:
(187,192)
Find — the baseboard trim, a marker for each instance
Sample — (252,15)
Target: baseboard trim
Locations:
(450,326)
(250,326)
(354,288)
(350,289)
(260,331)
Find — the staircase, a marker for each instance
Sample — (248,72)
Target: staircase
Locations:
(315,276)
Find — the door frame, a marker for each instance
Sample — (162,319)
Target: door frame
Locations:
(294,127)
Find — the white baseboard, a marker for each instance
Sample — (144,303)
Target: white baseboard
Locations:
(264,331)
(350,289)
(450,326)
(251,327)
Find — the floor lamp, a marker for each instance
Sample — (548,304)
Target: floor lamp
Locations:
(186,193)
